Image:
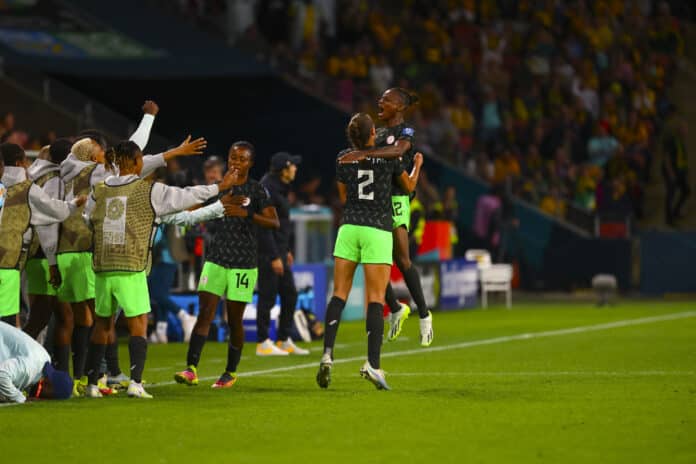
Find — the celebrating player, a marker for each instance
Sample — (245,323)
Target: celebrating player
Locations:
(123,210)
(26,365)
(364,237)
(81,171)
(25,204)
(397,140)
(231,264)
(42,273)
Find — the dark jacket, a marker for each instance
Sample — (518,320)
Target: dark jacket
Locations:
(275,243)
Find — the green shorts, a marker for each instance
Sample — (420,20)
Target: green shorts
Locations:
(38,277)
(363,244)
(127,290)
(9,292)
(235,284)
(78,277)
(401,211)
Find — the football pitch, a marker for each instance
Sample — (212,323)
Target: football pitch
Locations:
(542,382)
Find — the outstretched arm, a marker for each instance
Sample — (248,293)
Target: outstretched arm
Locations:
(167,200)
(190,218)
(187,148)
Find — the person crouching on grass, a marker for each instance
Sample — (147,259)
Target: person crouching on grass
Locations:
(26,366)
(123,210)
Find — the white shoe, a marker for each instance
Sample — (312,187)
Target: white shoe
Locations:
(187,323)
(375,376)
(153,338)
(161,332)
(426,330)
(267,348)
(136,390)
(92,391)
(291,348)
(192,281)
(396,322)
(302,326)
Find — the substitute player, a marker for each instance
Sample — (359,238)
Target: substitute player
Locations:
(122,211)
(231,265)
(25,205)
(41,269)
(83,169)
(364,237)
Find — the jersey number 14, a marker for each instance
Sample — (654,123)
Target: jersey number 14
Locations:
(368,177)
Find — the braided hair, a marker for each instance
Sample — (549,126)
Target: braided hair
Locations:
(359,130)
(120,153)
(407,97)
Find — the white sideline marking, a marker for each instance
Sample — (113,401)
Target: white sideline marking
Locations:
(532,374)
(486,341)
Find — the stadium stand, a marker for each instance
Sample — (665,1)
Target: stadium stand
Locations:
(565,103)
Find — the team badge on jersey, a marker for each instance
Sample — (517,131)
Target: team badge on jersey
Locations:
(390,140)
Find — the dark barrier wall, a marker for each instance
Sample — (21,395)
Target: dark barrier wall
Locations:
(266,111)
(667,262)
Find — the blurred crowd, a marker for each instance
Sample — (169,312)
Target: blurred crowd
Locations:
(563,101)
(22,136)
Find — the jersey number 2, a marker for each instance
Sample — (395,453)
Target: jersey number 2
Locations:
(369,180)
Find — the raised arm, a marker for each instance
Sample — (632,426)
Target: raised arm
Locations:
(342,192)
(142,134)
(409,181)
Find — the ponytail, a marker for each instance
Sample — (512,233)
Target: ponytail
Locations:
(110,159)
(121,152)
(359,130)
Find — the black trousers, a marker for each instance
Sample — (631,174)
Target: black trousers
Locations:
(271,284)
(677,189)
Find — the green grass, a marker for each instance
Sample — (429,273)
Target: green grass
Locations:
(619,394)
